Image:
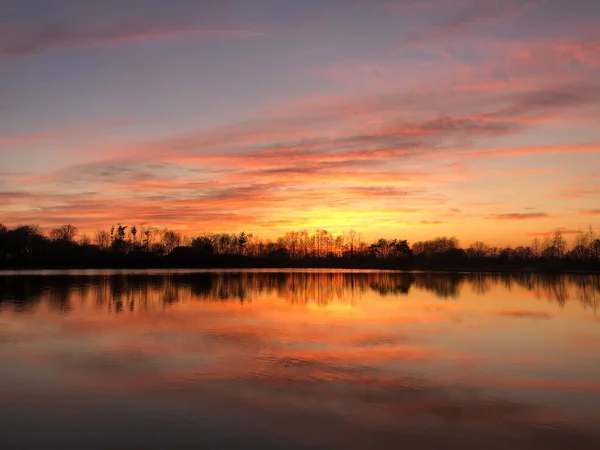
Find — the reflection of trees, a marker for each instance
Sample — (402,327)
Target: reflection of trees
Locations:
(481,282)
(588,288)
(121,292)
(561,288)
(24,292)
(441,284)
(399,284)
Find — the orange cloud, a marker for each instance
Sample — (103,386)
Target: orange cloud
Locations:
(519,216)
(564,231)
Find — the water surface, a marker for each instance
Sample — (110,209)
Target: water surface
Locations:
(298,360)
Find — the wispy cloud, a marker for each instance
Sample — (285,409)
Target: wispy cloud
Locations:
(579,191)
(12,140)
(463,16)
(550,233)
(24,40)
(519,216)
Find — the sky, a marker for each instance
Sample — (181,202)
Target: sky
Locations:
(395,118)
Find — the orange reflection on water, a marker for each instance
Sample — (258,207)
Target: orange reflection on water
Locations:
(364,352)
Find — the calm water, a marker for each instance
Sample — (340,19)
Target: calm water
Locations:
(298,360)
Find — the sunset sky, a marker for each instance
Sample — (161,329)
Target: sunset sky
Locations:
(396,118)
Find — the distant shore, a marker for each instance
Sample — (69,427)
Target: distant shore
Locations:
(27,247)
(246,263)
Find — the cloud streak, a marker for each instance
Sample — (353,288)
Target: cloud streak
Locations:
(20,40)
(519,216)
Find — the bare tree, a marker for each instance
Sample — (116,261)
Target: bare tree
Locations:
(242,240)
(102,239)
(85,240)
(478,249)
(170,240)
(66,233)
(352,242)
(536,247)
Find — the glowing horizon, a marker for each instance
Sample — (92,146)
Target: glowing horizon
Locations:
(398,119)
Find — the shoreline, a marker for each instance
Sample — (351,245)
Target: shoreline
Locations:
(15,271)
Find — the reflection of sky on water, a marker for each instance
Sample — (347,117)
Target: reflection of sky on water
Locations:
(360,361)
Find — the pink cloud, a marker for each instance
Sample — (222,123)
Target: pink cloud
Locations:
(8,141)
(526,151)
(574,192)
(465,16)
(21,40)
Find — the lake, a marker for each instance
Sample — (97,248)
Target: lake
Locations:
(298,360)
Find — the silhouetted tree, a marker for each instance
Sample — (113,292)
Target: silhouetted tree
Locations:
(401,249)
(554,248)
(352,240)
(121,229)
(242,240)
(66,233)
(203,245)
(536,247)
(102,239)
(118,244)
(170,240)
(436,245)
(477,249)
(147,237)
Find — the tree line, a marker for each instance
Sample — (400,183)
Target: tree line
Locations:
(141,246)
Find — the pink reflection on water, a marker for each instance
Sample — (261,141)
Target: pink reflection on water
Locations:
(350,350)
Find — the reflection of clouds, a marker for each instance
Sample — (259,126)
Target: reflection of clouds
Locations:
(378,340)
(298,395)
(226,350)
(524,313)
(118,363)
